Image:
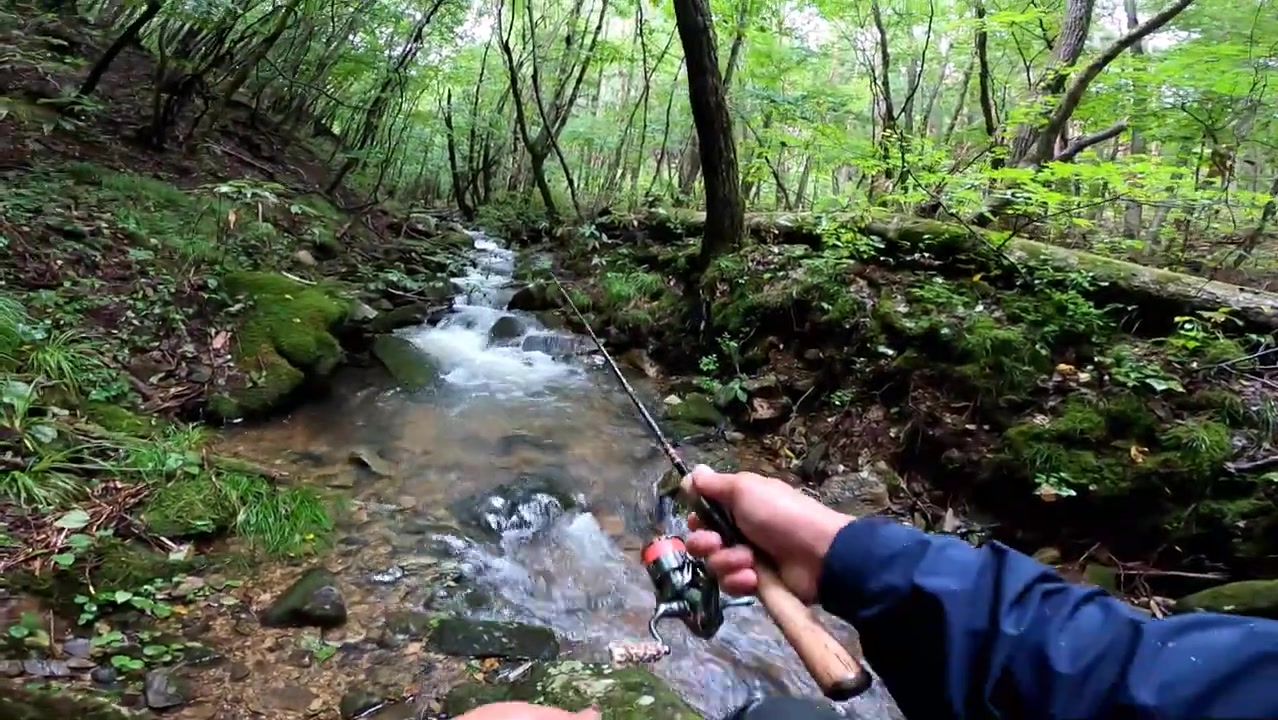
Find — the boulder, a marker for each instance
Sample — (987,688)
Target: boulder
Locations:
(417,313)
(491,638)
(534,298)
(1247,597)
(412,368)
(314,600)
(285,337)
(695,409)
(527,504)
(507,327)
(630,693)
(557,345)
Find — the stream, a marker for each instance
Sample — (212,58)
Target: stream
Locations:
(529,477)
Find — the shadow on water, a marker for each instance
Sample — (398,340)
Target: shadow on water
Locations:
(507,414)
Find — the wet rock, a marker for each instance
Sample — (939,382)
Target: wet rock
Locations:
(1248,597)
(104,676)
(695,409)
(369,458)
(78,647)
(361,312)
(812,468)
(188,586)
(492,638)
(46,668)
(357,702)
(162,689)
(557,345)
(631,693)
(528,504)
(507,327)
(412,368)
(79,664)
(11,668)
(304,257)
(389,576)
(405,624)
(639,360)
(301,659)
(314,599)
(406,316)
(535,297)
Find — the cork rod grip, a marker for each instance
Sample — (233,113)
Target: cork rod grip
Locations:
(835,671)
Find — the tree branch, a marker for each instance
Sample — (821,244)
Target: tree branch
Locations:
(1072,150)
(1074,95)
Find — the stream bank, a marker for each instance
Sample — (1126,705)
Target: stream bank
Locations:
(1129,449)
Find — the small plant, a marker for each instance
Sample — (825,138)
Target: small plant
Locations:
(28,625)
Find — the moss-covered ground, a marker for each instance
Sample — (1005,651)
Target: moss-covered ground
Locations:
(1027,392)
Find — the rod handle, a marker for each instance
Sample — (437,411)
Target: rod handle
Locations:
(839,675)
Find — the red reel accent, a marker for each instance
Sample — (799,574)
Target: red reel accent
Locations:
(661,546)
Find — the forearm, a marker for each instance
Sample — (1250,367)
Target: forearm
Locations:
(958,631)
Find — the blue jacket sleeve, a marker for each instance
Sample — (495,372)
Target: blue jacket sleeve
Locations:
(956,631)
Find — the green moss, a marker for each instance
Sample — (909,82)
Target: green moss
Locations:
(22,703)
(1249,597)
(122,420)
(285,337)
(631,693)
(1198,444)
(278,520)
(1224,404)
(1128,416)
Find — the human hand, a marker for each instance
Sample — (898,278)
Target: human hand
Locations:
(793,529)
(526,711)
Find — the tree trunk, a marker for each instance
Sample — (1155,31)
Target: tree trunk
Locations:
(104,63)
(708,99)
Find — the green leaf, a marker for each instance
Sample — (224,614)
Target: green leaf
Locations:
(73,520)
(64,560)
(43,433)
(122,596)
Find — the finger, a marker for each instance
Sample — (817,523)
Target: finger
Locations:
(694,522)
(703,480)
(741,582)
(729,560)
(704,543)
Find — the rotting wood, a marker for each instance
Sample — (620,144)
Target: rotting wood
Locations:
(903,235)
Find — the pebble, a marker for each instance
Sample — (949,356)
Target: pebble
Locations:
(46,668)
(239,672)
(78,647)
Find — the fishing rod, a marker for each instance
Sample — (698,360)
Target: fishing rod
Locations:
(687,591)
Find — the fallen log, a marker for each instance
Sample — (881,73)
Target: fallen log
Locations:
(903,235)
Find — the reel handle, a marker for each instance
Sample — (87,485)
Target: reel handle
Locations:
(836,672)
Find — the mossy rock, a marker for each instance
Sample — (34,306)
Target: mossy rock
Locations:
(412,369)
(631,693)
(285,338)
(1249,597)
(19,703)
(493,638)
(695,409)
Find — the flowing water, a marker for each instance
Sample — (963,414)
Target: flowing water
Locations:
(507,413)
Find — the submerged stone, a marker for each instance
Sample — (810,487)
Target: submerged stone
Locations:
(412,368)
(492,638)
(631,693)
(357,702)
(1248,597)
(527,504)
(314,599)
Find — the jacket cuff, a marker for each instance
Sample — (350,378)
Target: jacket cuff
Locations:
(855,562)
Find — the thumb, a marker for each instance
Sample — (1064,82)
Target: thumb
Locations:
(704,481)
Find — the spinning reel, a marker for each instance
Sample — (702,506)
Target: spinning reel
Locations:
(685,589)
